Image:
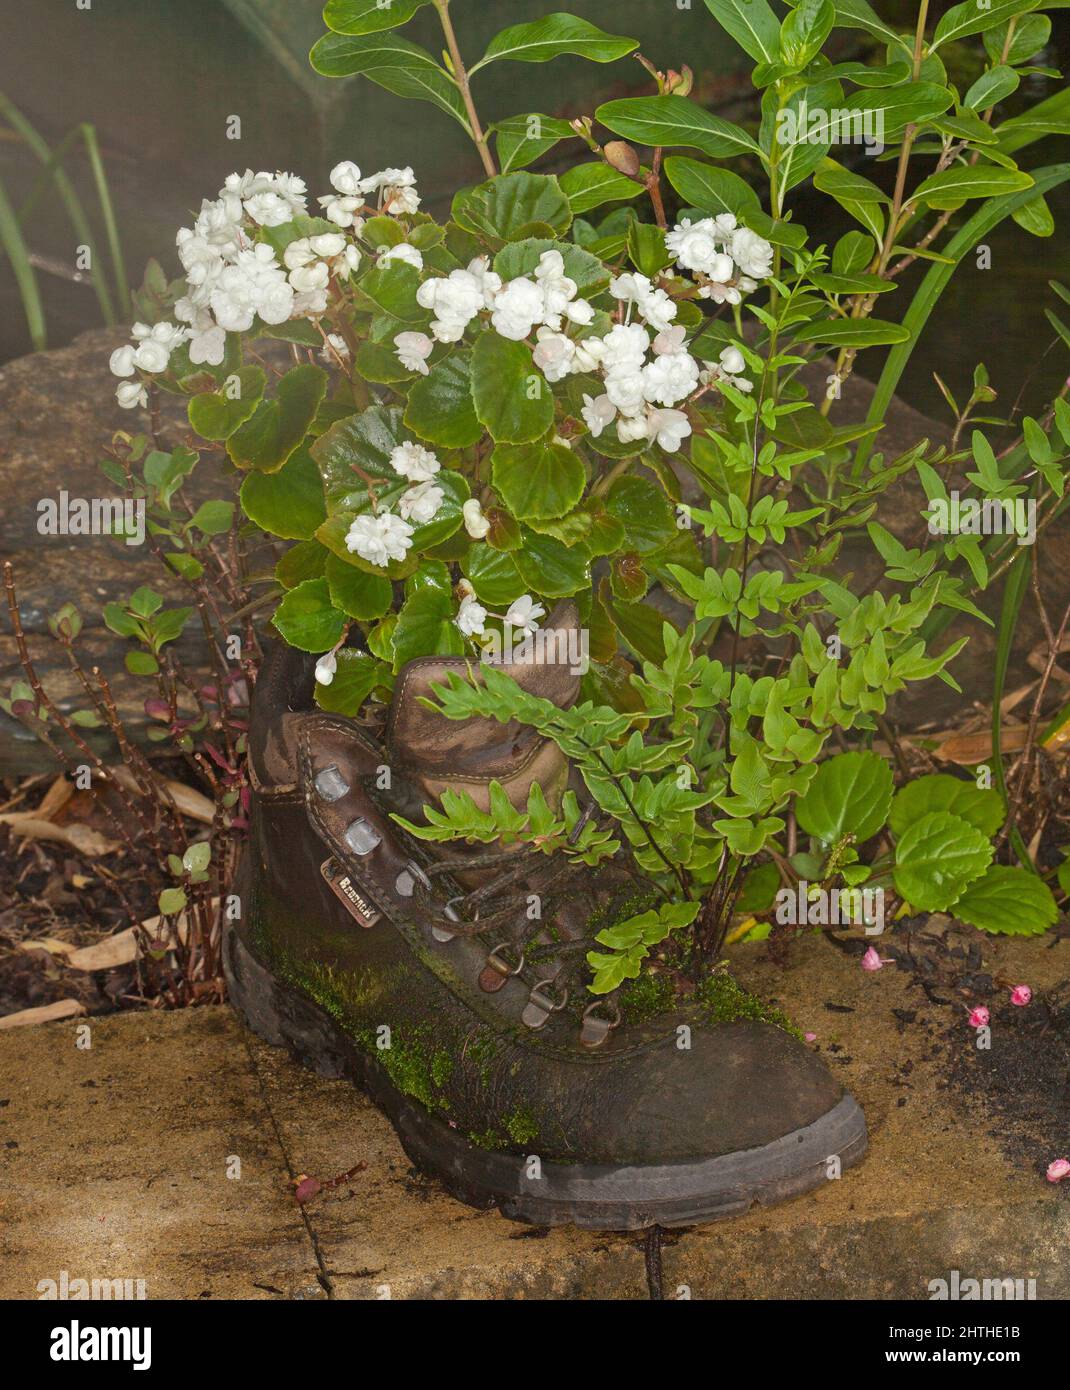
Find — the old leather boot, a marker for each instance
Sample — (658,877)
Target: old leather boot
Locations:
(450,984)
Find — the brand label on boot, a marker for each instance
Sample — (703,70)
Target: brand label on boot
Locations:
(343,887)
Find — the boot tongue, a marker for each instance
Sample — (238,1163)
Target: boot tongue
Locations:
(468,754)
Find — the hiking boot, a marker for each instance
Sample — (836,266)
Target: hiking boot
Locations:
(451,985)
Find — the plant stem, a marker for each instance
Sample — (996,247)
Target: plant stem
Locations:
(460,76)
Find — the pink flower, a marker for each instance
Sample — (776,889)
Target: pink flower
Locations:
(1058,1169)
(872,960)
(810,1037)
(979,1017)
(1021,995)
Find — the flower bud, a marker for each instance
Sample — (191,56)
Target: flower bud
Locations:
(679,83)
(622,157)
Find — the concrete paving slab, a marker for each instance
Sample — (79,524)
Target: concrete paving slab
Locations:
(115,1165)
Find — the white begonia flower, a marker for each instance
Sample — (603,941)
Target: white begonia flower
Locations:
(421,503)
(345,177)
(254,284)
(207,342)
(121,361)
(632,427)
(589,355)
(580,311)
(732,360)
(670,378)
(625,345)
(380,538)
(524,613)
(475,523)
(553,354)
(309,304)
(151,356)
(269,209)
(694,245)
(307,279)
(670,341)
(489,281)
(413,350)
(398,192)
(598,412)
(518,307)
(414,462)
(408,255)
(471,616)
(721,293)
(752,253)
(343,211)
(326,668)
(669,427)
(722,269)
(456,299)
(654,305)
(558,290)
(726,224)
(130,394)
(626,388)
(340,346)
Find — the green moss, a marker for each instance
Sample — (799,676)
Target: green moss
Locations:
(521,1125)
(726,1001)
(488,1139)
(646,997)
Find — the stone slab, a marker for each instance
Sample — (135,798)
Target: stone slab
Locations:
(114,1164)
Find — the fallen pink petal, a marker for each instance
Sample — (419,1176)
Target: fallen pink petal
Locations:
(979,1017)
(1021,995)
(1058,1169)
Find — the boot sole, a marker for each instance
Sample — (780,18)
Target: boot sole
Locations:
(599,1197)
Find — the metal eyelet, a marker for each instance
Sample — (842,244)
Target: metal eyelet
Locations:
(595,1029)
(440,933)
(330,784)
(541,1004)
(497,970)
(362,837)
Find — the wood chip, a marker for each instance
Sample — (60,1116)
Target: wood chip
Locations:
(47,1013)
(188,800)
(82,838)
(121,948)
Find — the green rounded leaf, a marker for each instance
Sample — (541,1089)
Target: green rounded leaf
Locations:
(288,503)
(277,427)
(307,619)
(645,513)
(507,207)
(940,791)
(512,397)
(426,626)
(493,575)
(217,414)
(850,795)
(358,594)
(356,677)
(550,568)
(538,481)
(1009,901)
(936,858)
(306,560)
(171,900)
(441,409)
(522,257)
